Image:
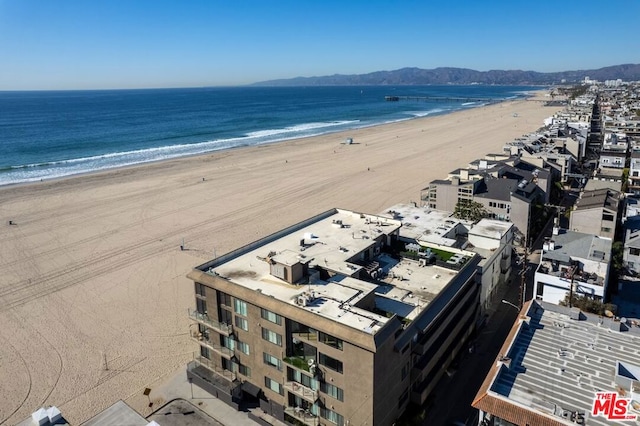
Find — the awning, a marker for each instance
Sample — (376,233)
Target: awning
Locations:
(251,389)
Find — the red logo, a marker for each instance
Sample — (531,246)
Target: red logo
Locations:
(611,406)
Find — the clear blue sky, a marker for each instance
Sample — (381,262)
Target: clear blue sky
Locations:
(81,44)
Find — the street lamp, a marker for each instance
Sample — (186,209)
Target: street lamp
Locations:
(506,302)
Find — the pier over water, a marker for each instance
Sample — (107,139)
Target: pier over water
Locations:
(455,99)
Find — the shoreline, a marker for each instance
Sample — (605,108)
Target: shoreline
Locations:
(92,269)
(524,95)
(340,135)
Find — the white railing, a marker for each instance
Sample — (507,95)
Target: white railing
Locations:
(204,319)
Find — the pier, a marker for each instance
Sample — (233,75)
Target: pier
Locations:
(438,99)
(460,99)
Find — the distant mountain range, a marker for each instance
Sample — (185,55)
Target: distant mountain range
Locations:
(417,76)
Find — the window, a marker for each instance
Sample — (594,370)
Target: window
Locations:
(226,317)
(332,416)
(405,371)
(272,337)
(240,307)
(204,352)
(303,379)
(607,216)
(330,362)
(273,385)
(244,370)
(201,306)
(242,323)
(328,339)
(224,299)
(332,391)
(228,342)
(605,229)
(243,347)
(272,361)
(403,398)
(271,316)
(200,290)
(634,251)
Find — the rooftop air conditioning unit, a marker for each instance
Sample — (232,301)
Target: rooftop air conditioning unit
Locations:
(301,300)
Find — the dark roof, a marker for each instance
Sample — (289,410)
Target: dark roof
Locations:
(598,198)
(613,154)
(496,189)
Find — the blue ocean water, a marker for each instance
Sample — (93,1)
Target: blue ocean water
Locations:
(45,135)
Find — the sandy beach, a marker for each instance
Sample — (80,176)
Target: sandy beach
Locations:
(93,294)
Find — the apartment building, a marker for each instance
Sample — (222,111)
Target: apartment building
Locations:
(596,212)
(324,323)
(634,171)
(503,198)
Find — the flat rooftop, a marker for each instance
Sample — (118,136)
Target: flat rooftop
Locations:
(556,364)
(334,242)
(424,224)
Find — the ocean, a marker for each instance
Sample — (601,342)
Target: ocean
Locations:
(46,135)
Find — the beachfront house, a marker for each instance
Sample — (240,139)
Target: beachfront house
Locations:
(325,322)
(506,193)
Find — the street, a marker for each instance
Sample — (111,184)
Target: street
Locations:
(452,402)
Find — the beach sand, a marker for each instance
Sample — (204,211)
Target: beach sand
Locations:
(93,294)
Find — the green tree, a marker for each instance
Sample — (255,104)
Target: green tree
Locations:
(470,210)
(617,249)
(588,304)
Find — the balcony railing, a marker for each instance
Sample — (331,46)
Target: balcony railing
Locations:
(211,366)
(564,273)
(216,347)
(309,337)
(301,391)
(302,415)
(204,319)
(298,362)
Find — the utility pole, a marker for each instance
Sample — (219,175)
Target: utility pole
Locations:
(573,272)
(523,278)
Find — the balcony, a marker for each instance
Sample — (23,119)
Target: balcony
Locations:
(298,362)
(311,336)
(302,415)
(565,272)
(228,376)
(204,340)
(220,327)
(302,391)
